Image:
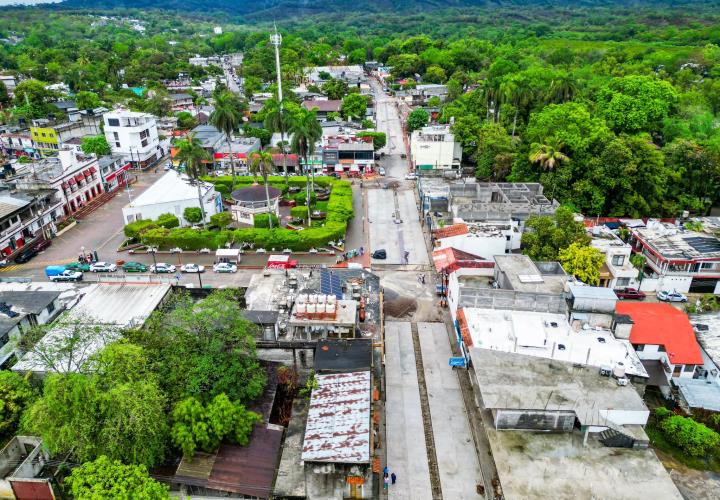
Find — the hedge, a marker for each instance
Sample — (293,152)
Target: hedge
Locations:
(301,198)
(693,438)
(339,212)
(134,229)
(168,221)
(299,212)
(261,220)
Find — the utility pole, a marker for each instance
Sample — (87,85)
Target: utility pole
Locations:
(276,40)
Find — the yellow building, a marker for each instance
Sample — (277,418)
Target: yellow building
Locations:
(46,138)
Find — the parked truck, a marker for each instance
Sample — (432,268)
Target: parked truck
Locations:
(280,262)
(61,273)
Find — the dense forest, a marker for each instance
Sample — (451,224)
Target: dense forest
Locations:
(613,108)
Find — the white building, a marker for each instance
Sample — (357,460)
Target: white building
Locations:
(435,148)
(26,217)
(218,30)
(134,136)
(10,83)
(617,271)
(173,193)
(482,239)
(253,200)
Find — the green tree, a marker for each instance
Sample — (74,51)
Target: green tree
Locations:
(221,220)
(583,262)
(379,138)
(636,103)
(417,119)
(547,155)
(95,144)
(335,89)
(203,349)
(159,104)
(105,479)
(168,221)
(353,106)
(306,131)
(546,235)
(193,215)
(367,124)
(435,74)
(227,117)
(262,164)
(87,100)
(204,427)
(4,95)
(693,438)
(277,118)
(32,92)
(191,153)
(495,152)
(186,121)
(15,395)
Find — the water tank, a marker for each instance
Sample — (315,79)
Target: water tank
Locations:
(302,298)
(331,299)
(301,308)
(619,370)
(312,299)
(321,299)
(330,309)
(320,308)
(311,308)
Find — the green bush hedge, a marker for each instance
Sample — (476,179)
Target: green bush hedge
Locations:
(261,220)
(134,229)
(301,198)
(168,221)
(339,212)
(299,212)
(693,438)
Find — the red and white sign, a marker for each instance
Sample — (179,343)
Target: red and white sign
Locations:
(117,172)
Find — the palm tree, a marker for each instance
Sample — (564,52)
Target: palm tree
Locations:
(226,118)
(547,155)
(563,88)
(277,118)
(191,153)
(517,93)
(306,131)
(262,164)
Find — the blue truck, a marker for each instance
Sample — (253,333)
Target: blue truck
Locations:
(61,273)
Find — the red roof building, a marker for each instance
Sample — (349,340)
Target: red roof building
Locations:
(448,231)
(452,259)
(663,325)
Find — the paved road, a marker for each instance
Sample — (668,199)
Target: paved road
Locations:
(454,446)
(406,452)
(385,207)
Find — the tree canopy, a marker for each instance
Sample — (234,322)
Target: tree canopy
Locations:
(105,479)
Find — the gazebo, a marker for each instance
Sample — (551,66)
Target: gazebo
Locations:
(252,200)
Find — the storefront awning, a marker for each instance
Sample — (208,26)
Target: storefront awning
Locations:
(86,173)
(425,167)
(79,177)
(71,181)
(339,168)
(354,168)
(92,170)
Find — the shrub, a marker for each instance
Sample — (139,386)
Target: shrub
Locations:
(168,221)
(135,229)
(221,220)
(299,212)
(192,214)
(693,438)
(301,198)
(261,220)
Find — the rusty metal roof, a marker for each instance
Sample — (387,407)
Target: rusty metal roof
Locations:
(338,423)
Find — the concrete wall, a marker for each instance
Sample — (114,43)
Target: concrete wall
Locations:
(510,299)
(535,420)
(482,246)
(626,417)
(670,283)
(176,208)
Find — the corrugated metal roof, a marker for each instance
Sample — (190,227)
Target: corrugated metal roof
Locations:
(592,292)
(338,423)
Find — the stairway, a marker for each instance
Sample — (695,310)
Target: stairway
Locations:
(93,205)
(616,436)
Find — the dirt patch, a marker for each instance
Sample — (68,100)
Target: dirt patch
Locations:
(693,484)
(400,307)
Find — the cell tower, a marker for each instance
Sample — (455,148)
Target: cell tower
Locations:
(276,40)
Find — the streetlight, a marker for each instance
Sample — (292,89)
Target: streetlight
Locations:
(200,278)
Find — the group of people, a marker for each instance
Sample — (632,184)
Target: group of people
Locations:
(388,477)
(350,254)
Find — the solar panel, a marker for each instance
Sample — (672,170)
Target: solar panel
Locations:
(330,284)
(703,245)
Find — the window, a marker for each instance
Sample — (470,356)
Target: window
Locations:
(113,122)
(618,260)
(116,136)
(144,143)
(708,265)
(623,281)
(117,144)
(689,368)
(661,348)
(639,347)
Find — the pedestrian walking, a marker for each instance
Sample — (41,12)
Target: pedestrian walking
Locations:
(386,482)
(386,471)
(423,279)
(393,478)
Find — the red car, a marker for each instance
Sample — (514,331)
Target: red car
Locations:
(630,293)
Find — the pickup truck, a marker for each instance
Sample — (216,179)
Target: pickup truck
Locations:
(59,273)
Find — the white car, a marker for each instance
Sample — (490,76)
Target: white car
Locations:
(192,268)
(673,296)
(161,267)
(410,176)
(102,267)
(225,267)
(381,171)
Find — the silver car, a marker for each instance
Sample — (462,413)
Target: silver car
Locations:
(102,267)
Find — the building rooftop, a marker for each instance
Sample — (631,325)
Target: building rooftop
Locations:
(343,355)
(109,305)
(346,314)
(519,382)
(524,275)
(676,243)
(539,465)
(592,292)
(434,133)
(548,335)
(338,422)
(173,186)
(699,393)
(452,230)
(255,193)
(325,106)
(9,204)
(709,338)
(657,323)
(28,302)
(244,470)
(208,135)
(452,259)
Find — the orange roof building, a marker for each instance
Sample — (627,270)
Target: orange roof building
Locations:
(661,324)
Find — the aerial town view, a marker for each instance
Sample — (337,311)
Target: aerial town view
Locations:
(328,250)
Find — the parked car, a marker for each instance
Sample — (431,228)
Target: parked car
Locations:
(379,254)
(630,293)
(162,267)
(192,268)
(168,166)
(78,266)
(134,267)
(225,267)
(31,252)
(381,171)
(411,176)
(102,267)
(403,156)
(673,296)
